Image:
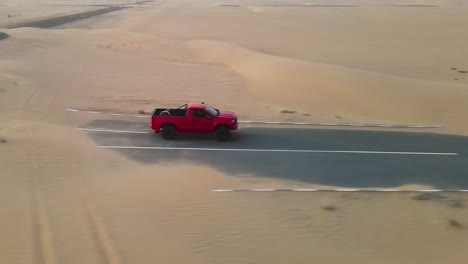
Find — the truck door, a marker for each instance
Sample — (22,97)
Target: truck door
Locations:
(200,121)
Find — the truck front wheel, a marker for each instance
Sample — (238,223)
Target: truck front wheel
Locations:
(222,133)
(168,131)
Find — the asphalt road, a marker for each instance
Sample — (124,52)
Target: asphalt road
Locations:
(359,170)
(3,36)
(66,19)
(60,20)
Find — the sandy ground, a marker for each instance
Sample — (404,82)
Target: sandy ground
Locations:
(66,201)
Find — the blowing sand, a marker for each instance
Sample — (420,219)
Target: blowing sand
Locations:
(66,201)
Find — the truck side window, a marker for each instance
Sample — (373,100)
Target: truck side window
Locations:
(199,113)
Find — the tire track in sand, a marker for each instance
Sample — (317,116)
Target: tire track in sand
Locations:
(45,247)
(102,238)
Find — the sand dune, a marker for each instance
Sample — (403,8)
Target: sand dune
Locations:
(373,68)
(137,70)
(334,90)
(322,90)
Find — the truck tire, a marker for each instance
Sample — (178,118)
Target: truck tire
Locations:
(168,131)
(222,133)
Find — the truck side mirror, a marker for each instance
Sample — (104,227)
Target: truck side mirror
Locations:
(208,117)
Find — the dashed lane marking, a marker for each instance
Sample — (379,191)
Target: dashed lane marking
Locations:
(337,190)
(113,131)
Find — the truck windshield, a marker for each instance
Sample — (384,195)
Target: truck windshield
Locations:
(212,111)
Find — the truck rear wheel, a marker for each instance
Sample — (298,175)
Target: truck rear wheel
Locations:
(168,131)
(222,133)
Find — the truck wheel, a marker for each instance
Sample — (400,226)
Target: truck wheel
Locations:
(222,133)
(168,132)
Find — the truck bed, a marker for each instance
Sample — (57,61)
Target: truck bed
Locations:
(172,112)
(176,117)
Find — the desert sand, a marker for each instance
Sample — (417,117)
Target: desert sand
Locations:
(64,200)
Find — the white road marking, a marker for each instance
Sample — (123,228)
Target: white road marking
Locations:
(263,122)
(332,190)
(338,124)
(113,131)
(285,150)
(274,122)
(327,124)
(346,190)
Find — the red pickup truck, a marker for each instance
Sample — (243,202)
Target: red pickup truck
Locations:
(193,118)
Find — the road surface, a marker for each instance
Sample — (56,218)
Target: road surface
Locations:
(347,158)
(56,21)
